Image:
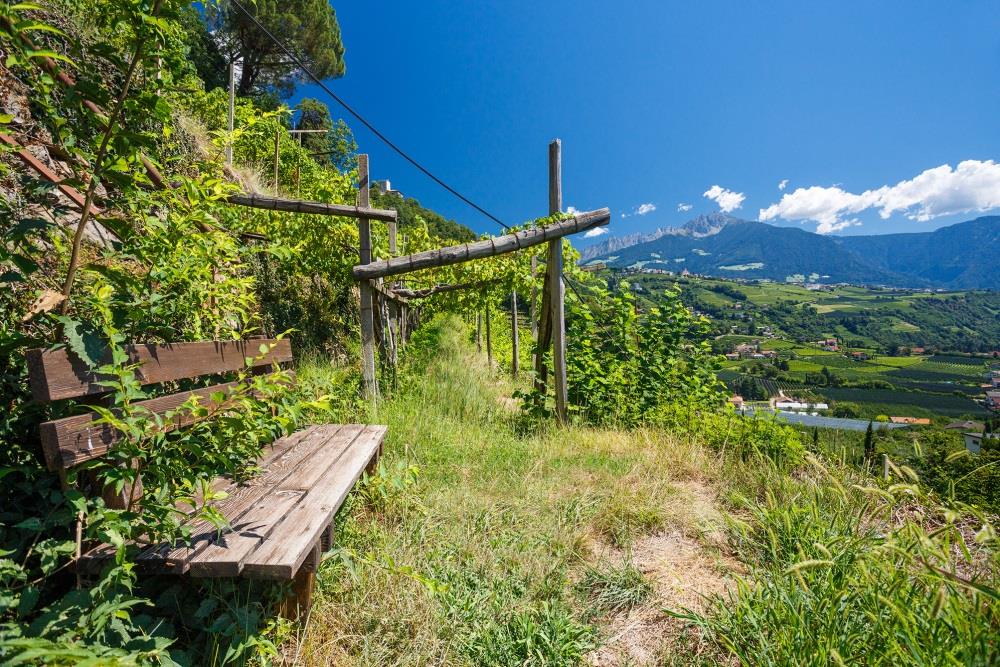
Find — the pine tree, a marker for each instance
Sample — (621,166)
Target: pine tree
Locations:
(337,146)
(869,444)
(309,28)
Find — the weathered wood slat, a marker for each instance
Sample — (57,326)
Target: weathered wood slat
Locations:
(271,453)
(225,556)
(74,440)
(392,295)
(286,548)
(441,287)
(314,207)
(240,499)
(480,249)
(172,559)
(57,374)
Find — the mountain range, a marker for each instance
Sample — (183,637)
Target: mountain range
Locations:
(960,256)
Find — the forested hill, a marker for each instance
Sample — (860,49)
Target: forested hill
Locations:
(965,255)
(962,256)
(411,213)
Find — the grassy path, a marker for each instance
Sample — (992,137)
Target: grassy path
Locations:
(488,540)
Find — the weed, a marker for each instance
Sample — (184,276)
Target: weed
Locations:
(627,514)
(615,588)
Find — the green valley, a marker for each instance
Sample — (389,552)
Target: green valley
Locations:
(892,352)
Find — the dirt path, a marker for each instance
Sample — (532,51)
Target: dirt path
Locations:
(684,566)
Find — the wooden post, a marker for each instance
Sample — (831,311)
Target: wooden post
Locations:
(392,239)
(515,356)
(367,306)
(232,113)
(277,144)
(532,309)
(479,332)
(489,338)
(557,291)
(885,466)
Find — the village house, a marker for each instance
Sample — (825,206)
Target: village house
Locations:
(967,425)
(737,401)
(859,356)
(746,350)
(829,344)
(993,400)
(974,441)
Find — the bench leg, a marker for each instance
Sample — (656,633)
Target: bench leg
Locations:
(326,541)
(299,601)
(372,466)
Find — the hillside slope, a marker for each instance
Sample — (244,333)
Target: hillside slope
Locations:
(487,538)
(961,256)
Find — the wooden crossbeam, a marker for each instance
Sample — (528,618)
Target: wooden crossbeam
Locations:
(487,248)
(442,287)
(314,207)
(398,296)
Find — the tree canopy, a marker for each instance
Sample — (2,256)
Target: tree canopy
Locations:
(308,27)
(337,146)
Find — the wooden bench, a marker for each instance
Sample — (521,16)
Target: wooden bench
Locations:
(279,521)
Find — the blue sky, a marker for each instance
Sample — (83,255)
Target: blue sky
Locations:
(657,102)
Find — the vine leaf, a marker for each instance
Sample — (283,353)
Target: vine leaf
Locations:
(83,340)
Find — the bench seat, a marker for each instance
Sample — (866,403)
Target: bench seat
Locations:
(276,519)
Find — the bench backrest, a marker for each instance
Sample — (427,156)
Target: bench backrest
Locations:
(56,375)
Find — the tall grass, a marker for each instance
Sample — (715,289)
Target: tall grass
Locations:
(842,572)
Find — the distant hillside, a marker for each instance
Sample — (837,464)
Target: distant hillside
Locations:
(409,209)
(965,255)
(960,256)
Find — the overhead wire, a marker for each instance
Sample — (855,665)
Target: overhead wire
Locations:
(363,121)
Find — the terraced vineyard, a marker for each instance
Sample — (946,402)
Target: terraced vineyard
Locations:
(883,325)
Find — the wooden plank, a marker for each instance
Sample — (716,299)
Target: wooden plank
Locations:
(442,287)
(390,294)
(499,245)
(286,548)
(74,440)
(271,453)
(557,291)
(172,559)
(242,498)
(56,374)
(253,200)
(370,381)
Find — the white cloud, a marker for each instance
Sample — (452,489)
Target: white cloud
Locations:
(727,200)
(641,209)
(595,231)
(684,208)
(828,227)
(973,186)
(783,184)
(573,210)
